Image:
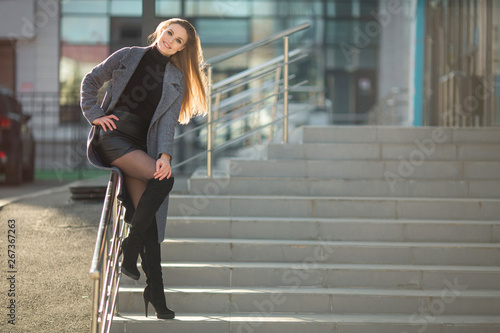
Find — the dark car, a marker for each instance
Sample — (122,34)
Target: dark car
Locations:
(17,146)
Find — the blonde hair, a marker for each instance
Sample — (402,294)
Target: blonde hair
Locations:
(188,60)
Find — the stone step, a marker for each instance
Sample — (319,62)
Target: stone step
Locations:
(276,274)
(300,323)
(390,171)
(187,206)
(423,188)
(322,251)
(382,230)
(451,300)
(392,134)
(415,151)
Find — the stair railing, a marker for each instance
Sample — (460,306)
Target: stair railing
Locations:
(279,66)
(222,114)
(104,267)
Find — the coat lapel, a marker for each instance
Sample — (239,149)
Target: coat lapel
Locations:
(122,75)
(171,79)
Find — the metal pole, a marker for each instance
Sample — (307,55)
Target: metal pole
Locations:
(209,120)
(95,307)
(285,88)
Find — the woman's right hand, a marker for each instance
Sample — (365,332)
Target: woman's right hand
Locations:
(106,121)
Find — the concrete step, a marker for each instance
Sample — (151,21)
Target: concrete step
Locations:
(419,151)
(207,204)
(322,251)
(382,230)
(276,274)
(393,134)
(424,188)
(451,300)
(311,323)
(390,171)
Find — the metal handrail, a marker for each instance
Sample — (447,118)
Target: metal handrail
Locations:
(245,114)
(104,266)
(252,46)
(230,80)
(211,87)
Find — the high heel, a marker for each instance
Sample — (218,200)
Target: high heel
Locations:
(162,311)
(146,303)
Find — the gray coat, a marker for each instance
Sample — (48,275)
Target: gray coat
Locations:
(118,69)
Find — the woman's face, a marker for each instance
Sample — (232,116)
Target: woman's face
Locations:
(172,40)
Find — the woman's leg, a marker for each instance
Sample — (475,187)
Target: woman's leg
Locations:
(147,195)
(137,164)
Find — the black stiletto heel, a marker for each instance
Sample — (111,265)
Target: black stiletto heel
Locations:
(159,304)
(146,303)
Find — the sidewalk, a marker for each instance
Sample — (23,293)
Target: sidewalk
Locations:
(54,243)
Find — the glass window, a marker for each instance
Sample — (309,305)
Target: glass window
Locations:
(221,8)
(168,8)
(96,30)
(223,32)
(131,8)
(367,6)
(343,8)
(264,8)
(84,7)
(359,33)
(340,31)
(300,8)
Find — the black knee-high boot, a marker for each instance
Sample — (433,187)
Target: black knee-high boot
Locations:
(154,291)
(156,191)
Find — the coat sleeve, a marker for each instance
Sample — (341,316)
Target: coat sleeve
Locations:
(94,80)
(168,122)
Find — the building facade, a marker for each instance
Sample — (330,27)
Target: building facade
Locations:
(433,53)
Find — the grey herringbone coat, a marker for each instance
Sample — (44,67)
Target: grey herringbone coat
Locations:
(118,69)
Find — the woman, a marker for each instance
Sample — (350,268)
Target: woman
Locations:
(151,89)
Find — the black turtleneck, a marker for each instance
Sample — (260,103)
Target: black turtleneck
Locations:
(143,92)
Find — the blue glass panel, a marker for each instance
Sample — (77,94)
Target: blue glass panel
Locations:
(223,32)
(132,8)
(168,8)
(221,8)
(96,30)
(84,7)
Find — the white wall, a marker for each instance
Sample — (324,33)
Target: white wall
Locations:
(395,41)
(37,60)
(16,19)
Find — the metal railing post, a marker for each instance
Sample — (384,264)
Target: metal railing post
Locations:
(285,90)
(209,121)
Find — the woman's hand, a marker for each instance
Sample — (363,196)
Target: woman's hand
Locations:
(163,168)
(106,121)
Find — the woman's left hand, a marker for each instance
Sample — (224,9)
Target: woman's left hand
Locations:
(163,169)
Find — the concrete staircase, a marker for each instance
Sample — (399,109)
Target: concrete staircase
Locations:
(345,230)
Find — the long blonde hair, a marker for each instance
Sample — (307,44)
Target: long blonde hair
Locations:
(188,60)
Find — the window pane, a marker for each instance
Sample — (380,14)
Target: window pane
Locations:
(126,8)
(96,30)
(223,32)
(222,8)
(359,33)
(85,7)
(300,8)
(168,8)
(264,8)
(343,8)
(367,6)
